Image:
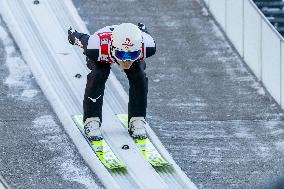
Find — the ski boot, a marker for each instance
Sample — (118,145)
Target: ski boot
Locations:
(92,129)
(136,127)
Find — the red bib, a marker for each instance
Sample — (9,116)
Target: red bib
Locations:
(104,50)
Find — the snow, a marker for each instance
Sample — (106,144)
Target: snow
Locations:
(217,31)
(262,150)
(204,11)
(29,93)
(19,72)
(55,141)
(20,87)
(233,71)
(280,146)
(244,132)
(259,88)
(170,22)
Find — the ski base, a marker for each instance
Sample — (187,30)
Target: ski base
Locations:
(101,148)
(147,149)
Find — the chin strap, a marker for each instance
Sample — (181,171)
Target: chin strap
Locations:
(111,53)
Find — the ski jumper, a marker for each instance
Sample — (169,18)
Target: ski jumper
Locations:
(99,60)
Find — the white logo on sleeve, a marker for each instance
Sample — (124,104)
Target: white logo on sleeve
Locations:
(94,99)
(103,57)
(78,42)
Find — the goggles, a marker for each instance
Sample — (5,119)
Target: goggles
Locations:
(132,56)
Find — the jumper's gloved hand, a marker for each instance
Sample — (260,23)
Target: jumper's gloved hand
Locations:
(142,27)
(71,36)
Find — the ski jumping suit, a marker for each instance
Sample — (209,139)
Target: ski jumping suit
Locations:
(99,59)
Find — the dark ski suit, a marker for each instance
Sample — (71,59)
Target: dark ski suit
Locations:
(97,50)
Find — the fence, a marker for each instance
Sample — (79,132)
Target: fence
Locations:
(256,40)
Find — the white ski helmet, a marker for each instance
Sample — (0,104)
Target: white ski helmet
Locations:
(126,42)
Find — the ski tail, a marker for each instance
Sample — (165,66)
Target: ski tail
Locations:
(100,147)
(146,147)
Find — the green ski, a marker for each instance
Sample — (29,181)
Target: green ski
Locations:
(147,149)
(101,148)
